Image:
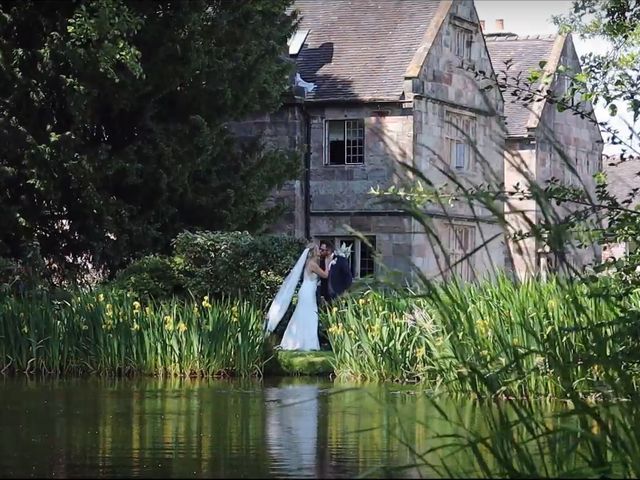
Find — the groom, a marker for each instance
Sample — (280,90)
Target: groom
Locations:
(339,272)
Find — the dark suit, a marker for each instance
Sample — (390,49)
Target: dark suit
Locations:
(323,291)
(340,277)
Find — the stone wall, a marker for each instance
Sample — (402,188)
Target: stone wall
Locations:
(562,141)
(430,250)
(446,84)
(341,199)
(388,132)
(567,140)
(392,232)
(520,214)
(282,130)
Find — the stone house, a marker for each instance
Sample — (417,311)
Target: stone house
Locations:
(389,83)
(622,182)
(543,143)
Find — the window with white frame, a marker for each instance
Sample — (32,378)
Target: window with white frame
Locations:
(462,240)
(460,130)
(344,142)
(362,259)
(462,43)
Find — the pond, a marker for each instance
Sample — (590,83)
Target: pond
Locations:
(288,427)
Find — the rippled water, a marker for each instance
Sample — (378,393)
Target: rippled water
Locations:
(187,428)
(223,429)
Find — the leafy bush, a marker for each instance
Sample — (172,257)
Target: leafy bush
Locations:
(9,275)
(208,262)
(234,263)
(219,264)
(23,276)
(151,277)
(268,259)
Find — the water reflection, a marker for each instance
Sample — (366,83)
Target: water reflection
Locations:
(222,429)
(292,428)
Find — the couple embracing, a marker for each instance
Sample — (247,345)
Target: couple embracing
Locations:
(316,263)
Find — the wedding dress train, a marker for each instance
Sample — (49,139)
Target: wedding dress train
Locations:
(302,331)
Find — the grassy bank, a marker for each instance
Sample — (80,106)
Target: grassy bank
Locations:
(543,339)
(536,339)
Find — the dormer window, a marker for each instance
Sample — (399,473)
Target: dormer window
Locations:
(296,41)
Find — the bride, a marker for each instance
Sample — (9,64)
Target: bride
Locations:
(302,331)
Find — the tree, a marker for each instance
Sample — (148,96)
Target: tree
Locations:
(612,78)
(112,123)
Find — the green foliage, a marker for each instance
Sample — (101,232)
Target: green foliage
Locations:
(150,277)
(112,126)
(293,363)
(9,275)
(219,264)
(27,276)
(611,77)
(115,333)
(234,263)
(501,338)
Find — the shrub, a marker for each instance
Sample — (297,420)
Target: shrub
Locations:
(150,277)
(209,262)
(23,276)
(218,264)
(9,275)
(268,259)
(234,263)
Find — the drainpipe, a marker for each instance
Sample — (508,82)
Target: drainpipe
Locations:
(307,172)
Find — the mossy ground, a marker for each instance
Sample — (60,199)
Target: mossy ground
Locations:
(300,363)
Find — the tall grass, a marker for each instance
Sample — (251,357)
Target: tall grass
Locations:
(113,333)
(497,338)
(515,342)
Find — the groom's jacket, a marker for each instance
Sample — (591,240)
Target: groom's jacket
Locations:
(340,277)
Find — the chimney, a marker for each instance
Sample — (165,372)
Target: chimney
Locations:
(482,24)
(499,24)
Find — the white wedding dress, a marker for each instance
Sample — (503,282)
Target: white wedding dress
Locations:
(302,331)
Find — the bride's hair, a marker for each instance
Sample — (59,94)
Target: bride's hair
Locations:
(312,250)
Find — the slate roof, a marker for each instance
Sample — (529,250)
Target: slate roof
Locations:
(622,176)
(526,53)
(360,49)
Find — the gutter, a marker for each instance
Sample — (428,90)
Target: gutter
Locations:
(351,101)
(307,172)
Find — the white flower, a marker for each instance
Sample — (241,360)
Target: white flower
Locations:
(343,250)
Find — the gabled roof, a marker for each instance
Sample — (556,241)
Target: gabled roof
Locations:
(360,49)
(526,53)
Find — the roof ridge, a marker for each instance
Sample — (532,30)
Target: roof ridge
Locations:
(619,156)
(507,37)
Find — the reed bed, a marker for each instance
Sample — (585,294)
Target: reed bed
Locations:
(553,367)
(113,333)
(496,338)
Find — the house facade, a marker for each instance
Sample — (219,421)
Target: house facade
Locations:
(543,144)
(389,83)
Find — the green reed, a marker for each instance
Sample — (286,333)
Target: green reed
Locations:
(497,338)
(514,343)
(114,333)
